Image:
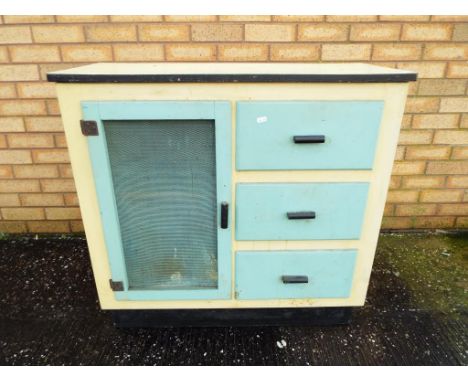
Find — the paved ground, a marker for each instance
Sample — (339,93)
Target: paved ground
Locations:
(416,314)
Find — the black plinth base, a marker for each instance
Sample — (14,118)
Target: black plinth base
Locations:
(231,317)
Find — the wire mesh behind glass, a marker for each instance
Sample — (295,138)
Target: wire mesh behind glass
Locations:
(164,176)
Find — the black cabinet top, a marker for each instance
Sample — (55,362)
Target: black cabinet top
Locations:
(230,72)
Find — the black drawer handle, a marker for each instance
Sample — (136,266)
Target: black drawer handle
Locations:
(301,215)
(294,279)
(224,215)
(309,138)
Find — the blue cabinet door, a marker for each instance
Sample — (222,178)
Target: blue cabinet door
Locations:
(323,274)
(162,170)
(345,134)
(317,211)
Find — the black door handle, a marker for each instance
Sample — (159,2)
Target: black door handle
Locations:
(301,215)
(294,279)
(309,138)
(224,215)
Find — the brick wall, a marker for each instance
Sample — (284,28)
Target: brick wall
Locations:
(429,187)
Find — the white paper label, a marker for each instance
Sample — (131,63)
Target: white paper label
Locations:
(262,119)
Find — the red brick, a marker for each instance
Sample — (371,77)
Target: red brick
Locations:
(131,18)
(415,209)
(431,222)
(36,90)
(270,32)
(86,53)
(22,107)
(395,51)
(243,52)
(425,69)
(460,209)
(6,171)
(58,33)
(57,185)
(435,121)
(16,185)
(9,200)
(23,213)
(457,70)
(110,32)
(50,156)
(13,227)
(34,53)
(346,52)
(451,137)
(295,52)
(298,18)
(52,107)
(460,152)
(190,52)
(423,181)
(457,181)
(65,171)
(36,171)
(15,35)
(81,19)
(30,140)
(71,199)
(415,137)
(427,32)
(217,32)
(393,222)
(194,18)
(18,73)
(48,227)
(7,90)
(408,168)
(454,105)
(44,124)
(163,32)
(351,19)
(39,200)
(399,196)
(11,124)
(446,52)
(242,18)
(404,18)
(447,167)
(375,32)
(440,196)
(139,52)
(422,104)
(77,226)
(323,32)
(427,152)
(441,87)
(15,156)
(63,213)
(461,222)
(36,19)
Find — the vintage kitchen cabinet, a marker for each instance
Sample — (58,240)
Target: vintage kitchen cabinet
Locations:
(222,187)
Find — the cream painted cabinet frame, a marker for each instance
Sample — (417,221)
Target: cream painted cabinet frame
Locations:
(251,188)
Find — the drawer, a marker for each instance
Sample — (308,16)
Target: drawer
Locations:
(266,130)
(329,274)
(262,210)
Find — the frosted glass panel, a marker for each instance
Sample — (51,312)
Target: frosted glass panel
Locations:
(164,175)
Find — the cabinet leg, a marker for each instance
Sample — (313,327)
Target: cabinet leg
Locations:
(232,317)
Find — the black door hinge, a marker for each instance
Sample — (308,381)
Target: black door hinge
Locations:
(89,127)
(116,286)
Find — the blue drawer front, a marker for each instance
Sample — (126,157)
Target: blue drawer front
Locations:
(265,132)
(329,273)
(261,210)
